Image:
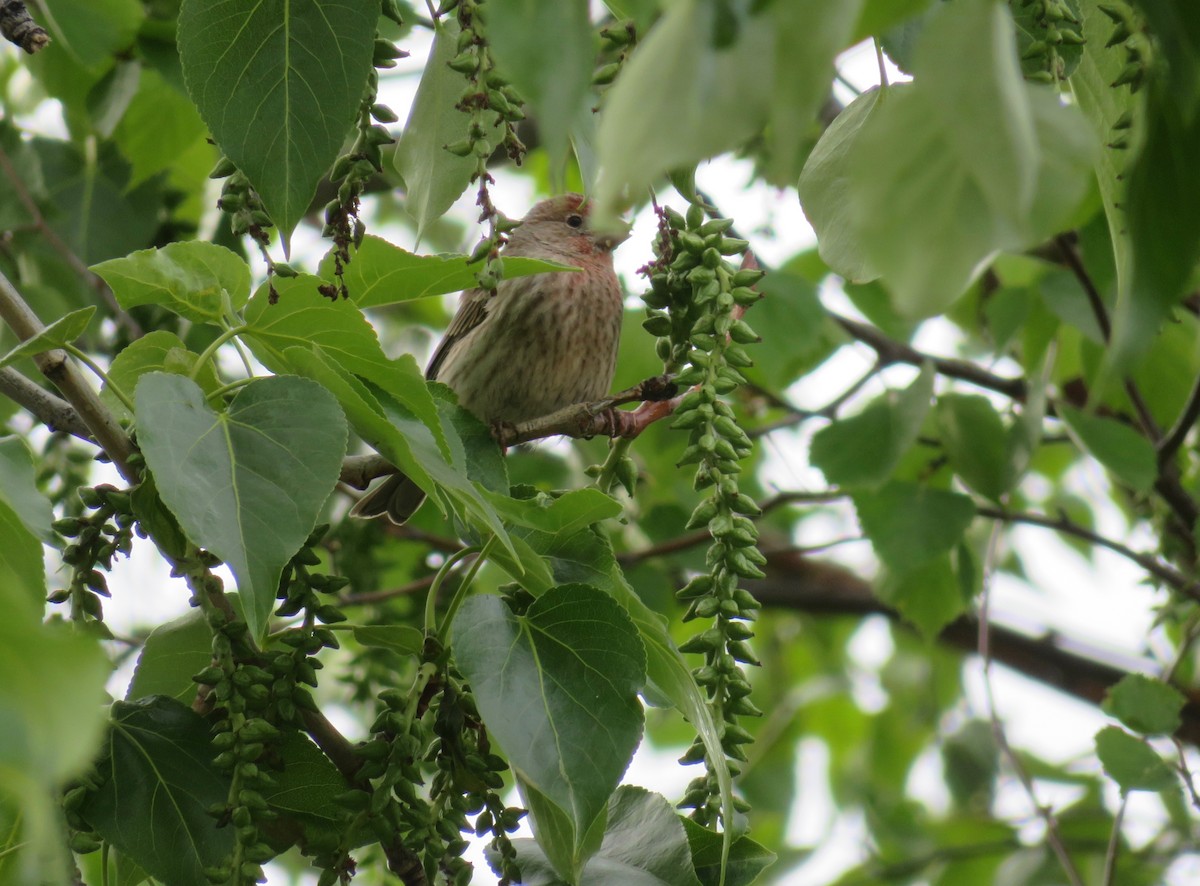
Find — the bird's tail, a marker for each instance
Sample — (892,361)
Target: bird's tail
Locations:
(397,497)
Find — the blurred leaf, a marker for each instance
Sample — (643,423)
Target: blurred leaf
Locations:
(279,83)
(383,274)
(1145,705)
(976,443)
(158,782)
(802,76)
(549,684)
(878,16)
(1115,445)
(969,157)
(200,281)
(157,351)
(825,188)
(25,517)
(247,484)
(797,333)
(928,592)
(864,449)
(171,655)
(546,49)
(680,99)
(909,525)
(94,30)
(62,331)
(159,125)
(1132,763)
(971,761)
(434,177)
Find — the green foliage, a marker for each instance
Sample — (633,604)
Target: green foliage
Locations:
(1000,304)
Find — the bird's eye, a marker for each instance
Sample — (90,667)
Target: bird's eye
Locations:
(575,220)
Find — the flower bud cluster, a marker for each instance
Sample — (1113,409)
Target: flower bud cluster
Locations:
(491,102)
(95,540)
(1130,34)
(1057,26)
(696,300)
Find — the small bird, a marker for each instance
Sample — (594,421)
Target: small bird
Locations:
(535,344)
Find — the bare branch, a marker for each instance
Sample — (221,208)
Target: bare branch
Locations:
(17,26)
(54,412)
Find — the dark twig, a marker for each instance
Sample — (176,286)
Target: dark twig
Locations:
(1169,445)
(368,597)
(17,26)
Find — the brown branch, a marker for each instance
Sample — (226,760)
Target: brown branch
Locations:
(65,376)
(817,587)
(368,597)
(54,412)
(891,351)
(1169,445)
(17,26)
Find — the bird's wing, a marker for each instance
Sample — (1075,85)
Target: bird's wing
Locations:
(472,311)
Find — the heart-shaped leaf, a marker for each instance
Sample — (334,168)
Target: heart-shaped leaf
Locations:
(247,484)
(158,782)
(557,688)
(197,280)
(278,82)
(62,331)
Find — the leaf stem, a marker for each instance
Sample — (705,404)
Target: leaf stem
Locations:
(207,353)
(607,477)
(232,386)
(460,592)
(431,599)
(100,374)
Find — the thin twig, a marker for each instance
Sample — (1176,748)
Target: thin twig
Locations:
(1114,843)
(1054,837)
(368,597)
(1168,574)
(60,246)
(1169,444)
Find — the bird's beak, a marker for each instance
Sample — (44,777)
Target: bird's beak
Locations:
(611,239)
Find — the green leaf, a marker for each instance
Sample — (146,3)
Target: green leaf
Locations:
(864,449)
(303,317)
(747,859)
(1115,445)
(383,274)
(679,99)
(825,188)
(200,281)
(306,784)
(51,704)
(1132,763)
(159,125)
(247,484)
(94,30)
(18,489)
(557,688)
(1145,705)
(279,84)
(546,49)
(172,654)
(62,331)
(157,351)
(434,177)
(802,76)
(909,525)
(929,594)
(644,843)
(158,782)
(481,455)
(402,639)
(879,16)
(976,442)
(588,557)
(969,157)
(797,333)
(565,514)
(25,517)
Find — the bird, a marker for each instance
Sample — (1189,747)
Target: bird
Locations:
(533,345)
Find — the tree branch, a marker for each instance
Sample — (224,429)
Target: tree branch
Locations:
(17,26)
(65,376)
(54,412)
